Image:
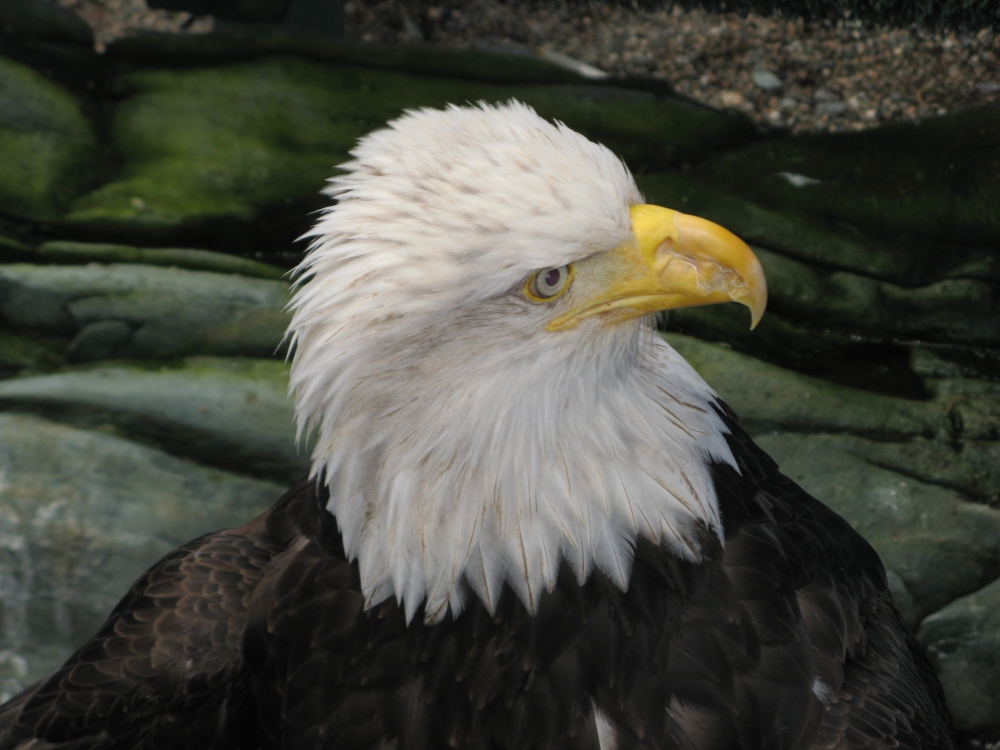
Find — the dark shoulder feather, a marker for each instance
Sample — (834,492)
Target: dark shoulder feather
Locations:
(783,637)
(878,687)
(163,670)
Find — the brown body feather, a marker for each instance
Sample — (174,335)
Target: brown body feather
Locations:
(257,637)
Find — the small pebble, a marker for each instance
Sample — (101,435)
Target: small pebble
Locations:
(831,109)
(766,80)
(410,28)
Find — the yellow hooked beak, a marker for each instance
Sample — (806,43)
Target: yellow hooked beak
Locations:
(675,260)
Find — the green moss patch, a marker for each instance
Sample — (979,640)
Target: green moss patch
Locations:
(208,152)
(47,145)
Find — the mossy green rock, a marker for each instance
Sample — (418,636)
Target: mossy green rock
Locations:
(156,312)
(963,641)
(27,353)
(911,204)
(828,283)
(769,398)
(210,151)
(949,311)
(82,514)
(879,237)
(228,412)
(922,187)
(792,231)
(971,467)
(61,251)
(47,146)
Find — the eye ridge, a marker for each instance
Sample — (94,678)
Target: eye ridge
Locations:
(549,283)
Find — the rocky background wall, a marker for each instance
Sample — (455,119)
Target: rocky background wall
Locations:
(150,198)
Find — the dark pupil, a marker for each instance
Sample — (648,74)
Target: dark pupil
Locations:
(552,277)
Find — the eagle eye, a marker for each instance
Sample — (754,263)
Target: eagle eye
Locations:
(548,283)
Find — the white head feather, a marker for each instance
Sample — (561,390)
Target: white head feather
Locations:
(463,443)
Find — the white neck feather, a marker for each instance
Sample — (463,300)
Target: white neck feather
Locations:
(439,487)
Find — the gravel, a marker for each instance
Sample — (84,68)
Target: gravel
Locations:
(807,77)
(781,72)
(111,19)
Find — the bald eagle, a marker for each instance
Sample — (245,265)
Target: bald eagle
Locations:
(529,523)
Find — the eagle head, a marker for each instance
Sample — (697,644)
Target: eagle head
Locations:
(472,348)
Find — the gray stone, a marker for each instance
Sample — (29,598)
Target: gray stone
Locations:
(47,146)
(647,130)
(169,311)
(767,80)
(952,439)
(9,246)
(953,310)
(798,180)
(971,467)
(942,362)
(62,251)
(233,413)
(974,406)
(579,66)
(796,223)
(934,542)
(770,398)
(82,514)
(831,109)
(963,641)
(101,340)
(789,343)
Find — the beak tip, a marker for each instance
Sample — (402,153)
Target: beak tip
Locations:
(757,304)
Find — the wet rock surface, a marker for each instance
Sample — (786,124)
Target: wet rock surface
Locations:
(189,258)
(141,311)
(227,412)
(277,127)
(82,514)
(141,333)
(963,641)
(48,144)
